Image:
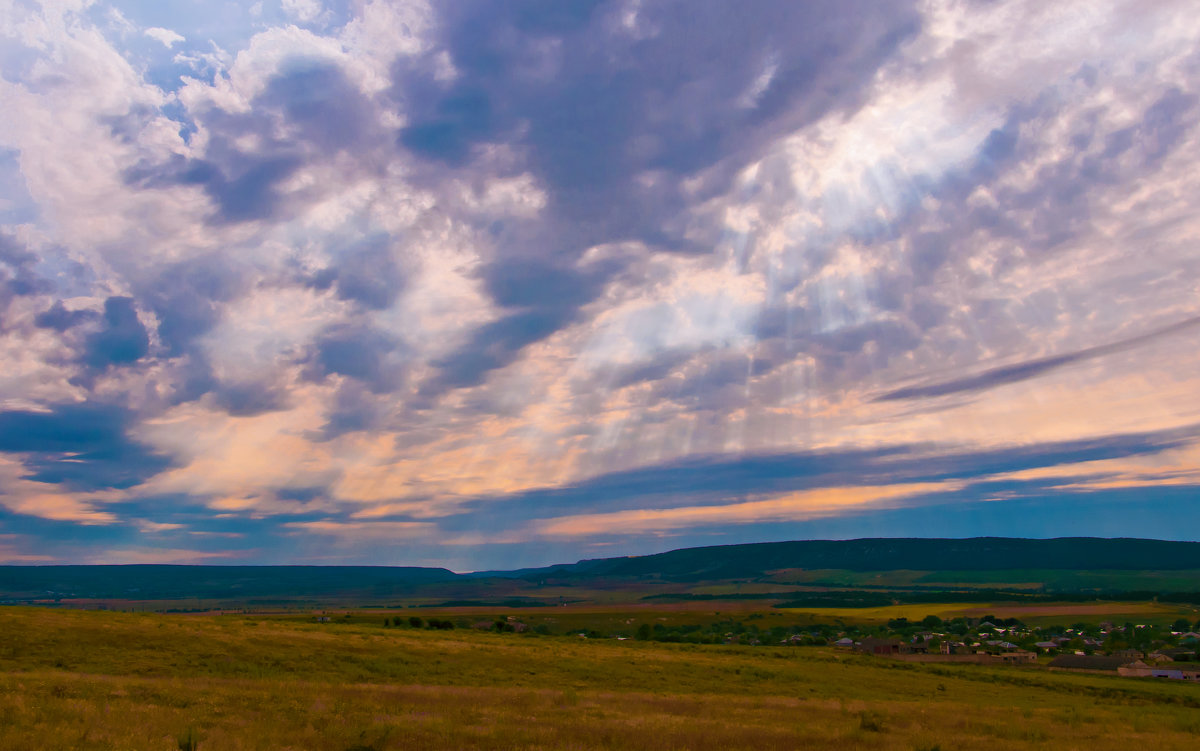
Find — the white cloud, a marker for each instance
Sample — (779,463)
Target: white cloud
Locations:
(166,37)
(304,11)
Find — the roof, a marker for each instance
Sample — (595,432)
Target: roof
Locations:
(871,641)
(1089,662)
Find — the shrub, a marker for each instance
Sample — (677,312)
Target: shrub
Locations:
(415,621)
(870,721)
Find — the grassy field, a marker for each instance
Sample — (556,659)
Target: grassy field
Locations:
(1033,614)
(1061,580)
(104,680)
(624,617)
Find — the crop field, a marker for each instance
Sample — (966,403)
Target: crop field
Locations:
(620,618)
(1040,613)
(104,680)
(1184,580)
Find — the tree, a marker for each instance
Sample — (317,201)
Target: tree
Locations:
(415,622)
(643,632)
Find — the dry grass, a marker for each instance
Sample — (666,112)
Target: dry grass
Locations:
(122,681)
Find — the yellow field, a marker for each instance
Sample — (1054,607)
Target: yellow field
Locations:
(1028,613)
(95,680)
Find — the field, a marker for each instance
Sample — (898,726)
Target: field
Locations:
(1039,614)
(1060,580)
(105,680)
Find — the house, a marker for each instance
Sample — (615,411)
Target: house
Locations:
(955,648)
(845,641)
(1017,657)
(1142,670)
(1132,654)
(873,646)
(1175,654)
(1046,644)
(1102,663)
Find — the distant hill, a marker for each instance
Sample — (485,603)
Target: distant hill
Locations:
(154,582)
(1068,564)
(889,554)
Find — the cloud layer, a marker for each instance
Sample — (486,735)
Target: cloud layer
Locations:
(496,284)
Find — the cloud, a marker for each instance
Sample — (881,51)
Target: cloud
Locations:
(303,10)
(186,298)
(362,354)
(60,507)
(364,530)
(122,340)
(148,555)
(11,553)
(166,37)
(719,480)
(367,272)
(792,507)
(250,399)
(60,319)
(1033,368)
(486,266)
(79,446)
(614,148)
(17,276)
(307,110)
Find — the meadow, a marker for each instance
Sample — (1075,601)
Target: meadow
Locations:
(111,680)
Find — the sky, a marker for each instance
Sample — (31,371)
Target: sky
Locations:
(488,285)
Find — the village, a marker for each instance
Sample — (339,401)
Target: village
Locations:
(1131,650)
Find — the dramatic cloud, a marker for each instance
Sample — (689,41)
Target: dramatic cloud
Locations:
(486,284)
(78,446)
(1033,368)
